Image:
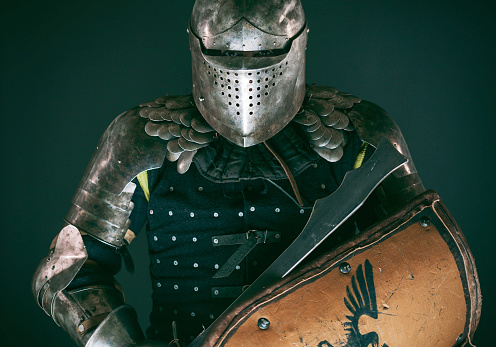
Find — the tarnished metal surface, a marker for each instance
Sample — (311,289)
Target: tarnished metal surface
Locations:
(58,268)
(97,302)
(243,36)
(176,119)
(102,203)
(324,120)
(79,311)
(68,315)
(123,152)
(184,161)
(213,17)
(373,123)
(248,62)
(102,214)
(119,329)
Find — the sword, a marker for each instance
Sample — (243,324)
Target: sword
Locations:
(328,214)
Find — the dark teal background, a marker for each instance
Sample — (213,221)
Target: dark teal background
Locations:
(68,68)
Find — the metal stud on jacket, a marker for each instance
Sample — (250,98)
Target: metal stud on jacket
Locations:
(248,62)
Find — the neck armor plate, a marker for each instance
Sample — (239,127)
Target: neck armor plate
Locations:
(248,62)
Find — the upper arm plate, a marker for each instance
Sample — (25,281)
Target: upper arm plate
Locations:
(372,124)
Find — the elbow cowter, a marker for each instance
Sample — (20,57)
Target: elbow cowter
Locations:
(94,315)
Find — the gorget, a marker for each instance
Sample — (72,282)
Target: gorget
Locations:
(222,161)
(319,129)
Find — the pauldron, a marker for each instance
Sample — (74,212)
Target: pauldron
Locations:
(172,128)
(325,116)
(102,203)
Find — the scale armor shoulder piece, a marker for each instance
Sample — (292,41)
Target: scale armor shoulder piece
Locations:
(324,119)
(176,119)
(328,114)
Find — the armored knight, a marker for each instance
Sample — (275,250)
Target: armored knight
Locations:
(255,149)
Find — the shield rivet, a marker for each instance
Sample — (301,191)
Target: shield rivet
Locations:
(263,323)
(425,221)
(344,267)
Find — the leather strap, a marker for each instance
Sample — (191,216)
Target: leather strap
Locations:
(91,322)
(287,171)
(248,241)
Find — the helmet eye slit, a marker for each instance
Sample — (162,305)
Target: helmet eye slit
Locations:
(247,54)
(260,53)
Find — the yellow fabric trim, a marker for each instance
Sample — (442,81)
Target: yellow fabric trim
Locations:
(143,181)
(360,156)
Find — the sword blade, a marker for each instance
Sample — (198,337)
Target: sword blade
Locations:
(327,215)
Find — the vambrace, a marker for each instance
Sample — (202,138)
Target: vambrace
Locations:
(92,315)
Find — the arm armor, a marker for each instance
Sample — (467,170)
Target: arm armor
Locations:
(96,315)
(102,203)
(372,124)
(326,118)
(93,315)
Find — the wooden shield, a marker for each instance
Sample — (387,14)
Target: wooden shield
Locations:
(408,281)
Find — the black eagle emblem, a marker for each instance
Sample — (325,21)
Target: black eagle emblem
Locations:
(361,300)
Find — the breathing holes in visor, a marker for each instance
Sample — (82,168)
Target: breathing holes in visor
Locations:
(244,90)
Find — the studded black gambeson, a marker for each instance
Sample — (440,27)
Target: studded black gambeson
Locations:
(187,212)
